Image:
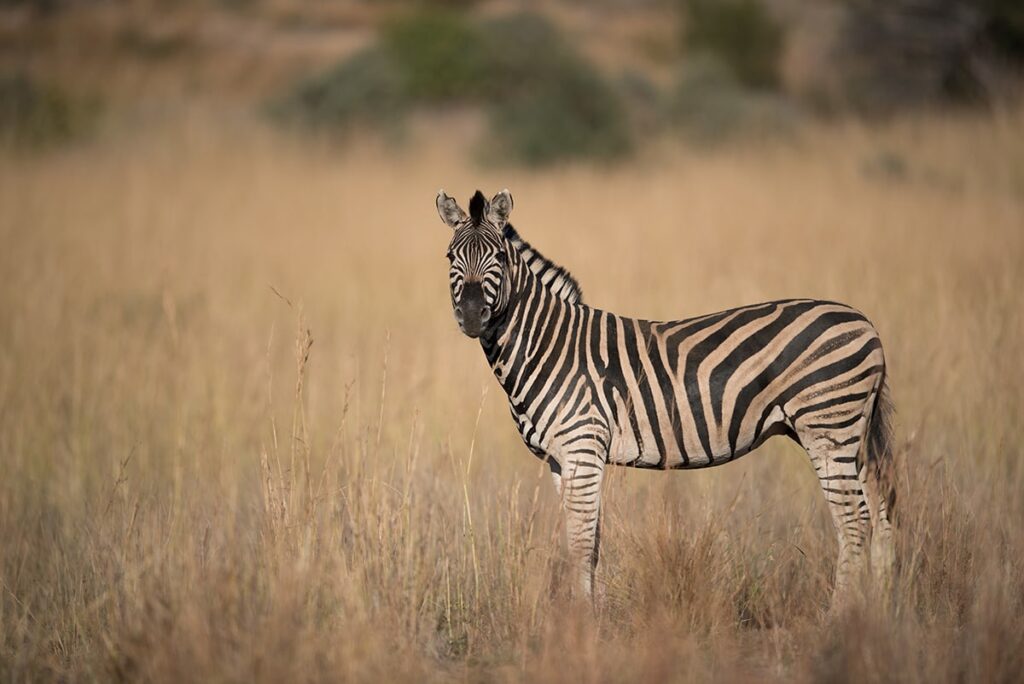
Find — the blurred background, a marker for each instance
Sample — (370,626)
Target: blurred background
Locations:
(241,438)
(541,82)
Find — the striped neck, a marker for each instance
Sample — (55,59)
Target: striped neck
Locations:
(539,287)
(532,305)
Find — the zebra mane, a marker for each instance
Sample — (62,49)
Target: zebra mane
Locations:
(554,277)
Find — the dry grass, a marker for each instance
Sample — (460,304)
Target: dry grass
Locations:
(187,493)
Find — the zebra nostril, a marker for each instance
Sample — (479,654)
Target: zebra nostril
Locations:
(485,313)
(458,313)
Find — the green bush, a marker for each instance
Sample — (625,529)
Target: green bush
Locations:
(545,102)
(427,57)
(646,101)
(33,115)
(1004,27)
(368,88)
(573,118)
(151,46)
(441,55)
(741,33)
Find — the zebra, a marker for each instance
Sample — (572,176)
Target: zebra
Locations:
(588,388)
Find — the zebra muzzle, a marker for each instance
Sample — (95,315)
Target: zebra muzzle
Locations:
(472,313)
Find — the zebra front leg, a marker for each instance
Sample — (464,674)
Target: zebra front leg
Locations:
(580,490)
(556,478)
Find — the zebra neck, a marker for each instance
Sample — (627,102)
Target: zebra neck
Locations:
(538,285)
(553,277)
(512,344)
(495,340)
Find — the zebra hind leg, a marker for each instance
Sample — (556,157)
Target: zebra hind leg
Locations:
(835,463)
(883,548)
(879,486)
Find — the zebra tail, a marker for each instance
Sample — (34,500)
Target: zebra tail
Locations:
(881,466)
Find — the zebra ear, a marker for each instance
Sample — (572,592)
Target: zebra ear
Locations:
(449,210)
(499,208)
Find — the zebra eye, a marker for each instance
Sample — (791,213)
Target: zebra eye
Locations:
(450,256)
(502,257)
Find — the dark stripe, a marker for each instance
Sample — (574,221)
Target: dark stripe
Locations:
(836,426)
(615,380)
(845,399)
(539,337)
(691,326)
(594,332)
(643,382)
(697,355)
(557,369)
(749,347)
(834,370)
(667,392)
(549,309)
(555,338)
(844,492)
(832,344)
(585,464)
(790,353)
(523,331)
(860,377)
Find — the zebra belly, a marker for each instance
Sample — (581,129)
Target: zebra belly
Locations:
(640,442)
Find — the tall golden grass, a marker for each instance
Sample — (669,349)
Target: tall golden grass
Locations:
(242,440)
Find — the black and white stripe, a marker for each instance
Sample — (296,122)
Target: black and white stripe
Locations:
(589,388)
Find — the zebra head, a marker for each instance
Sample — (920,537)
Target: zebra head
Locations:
(479,275)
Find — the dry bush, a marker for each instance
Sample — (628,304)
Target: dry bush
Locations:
(192,491)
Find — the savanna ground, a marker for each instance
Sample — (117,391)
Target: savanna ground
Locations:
(193,489)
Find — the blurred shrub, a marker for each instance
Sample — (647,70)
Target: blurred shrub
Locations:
(901,54)
(709,105)
(1004,27)
(741,33)
(885,165)
(441,55)
(150,45)
(646,100)
(368,88)
(40,6)
(33,115)
(545,101)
